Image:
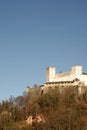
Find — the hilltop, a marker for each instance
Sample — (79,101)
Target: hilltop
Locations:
(61,111)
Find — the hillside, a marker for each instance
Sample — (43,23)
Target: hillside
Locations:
(60,111)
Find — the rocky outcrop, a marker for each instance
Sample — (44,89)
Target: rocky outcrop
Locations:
(39,118)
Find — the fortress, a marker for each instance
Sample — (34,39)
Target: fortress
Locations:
(75,73)
(75,77)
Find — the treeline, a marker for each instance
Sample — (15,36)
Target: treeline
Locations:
(62,111)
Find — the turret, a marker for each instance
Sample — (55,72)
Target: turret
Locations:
(77,70)
(50,74)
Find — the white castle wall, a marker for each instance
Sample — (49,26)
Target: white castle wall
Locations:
(76,72)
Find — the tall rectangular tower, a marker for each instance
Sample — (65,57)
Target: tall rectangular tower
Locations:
(50,74)
(77,70)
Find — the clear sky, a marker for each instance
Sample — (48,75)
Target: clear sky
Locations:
(35,34)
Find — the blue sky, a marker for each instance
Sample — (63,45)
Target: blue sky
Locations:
(35,34)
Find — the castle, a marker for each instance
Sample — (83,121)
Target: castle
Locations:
(75,77)
(75,73)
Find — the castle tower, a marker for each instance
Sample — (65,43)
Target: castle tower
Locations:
(77,70)
(50,74)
